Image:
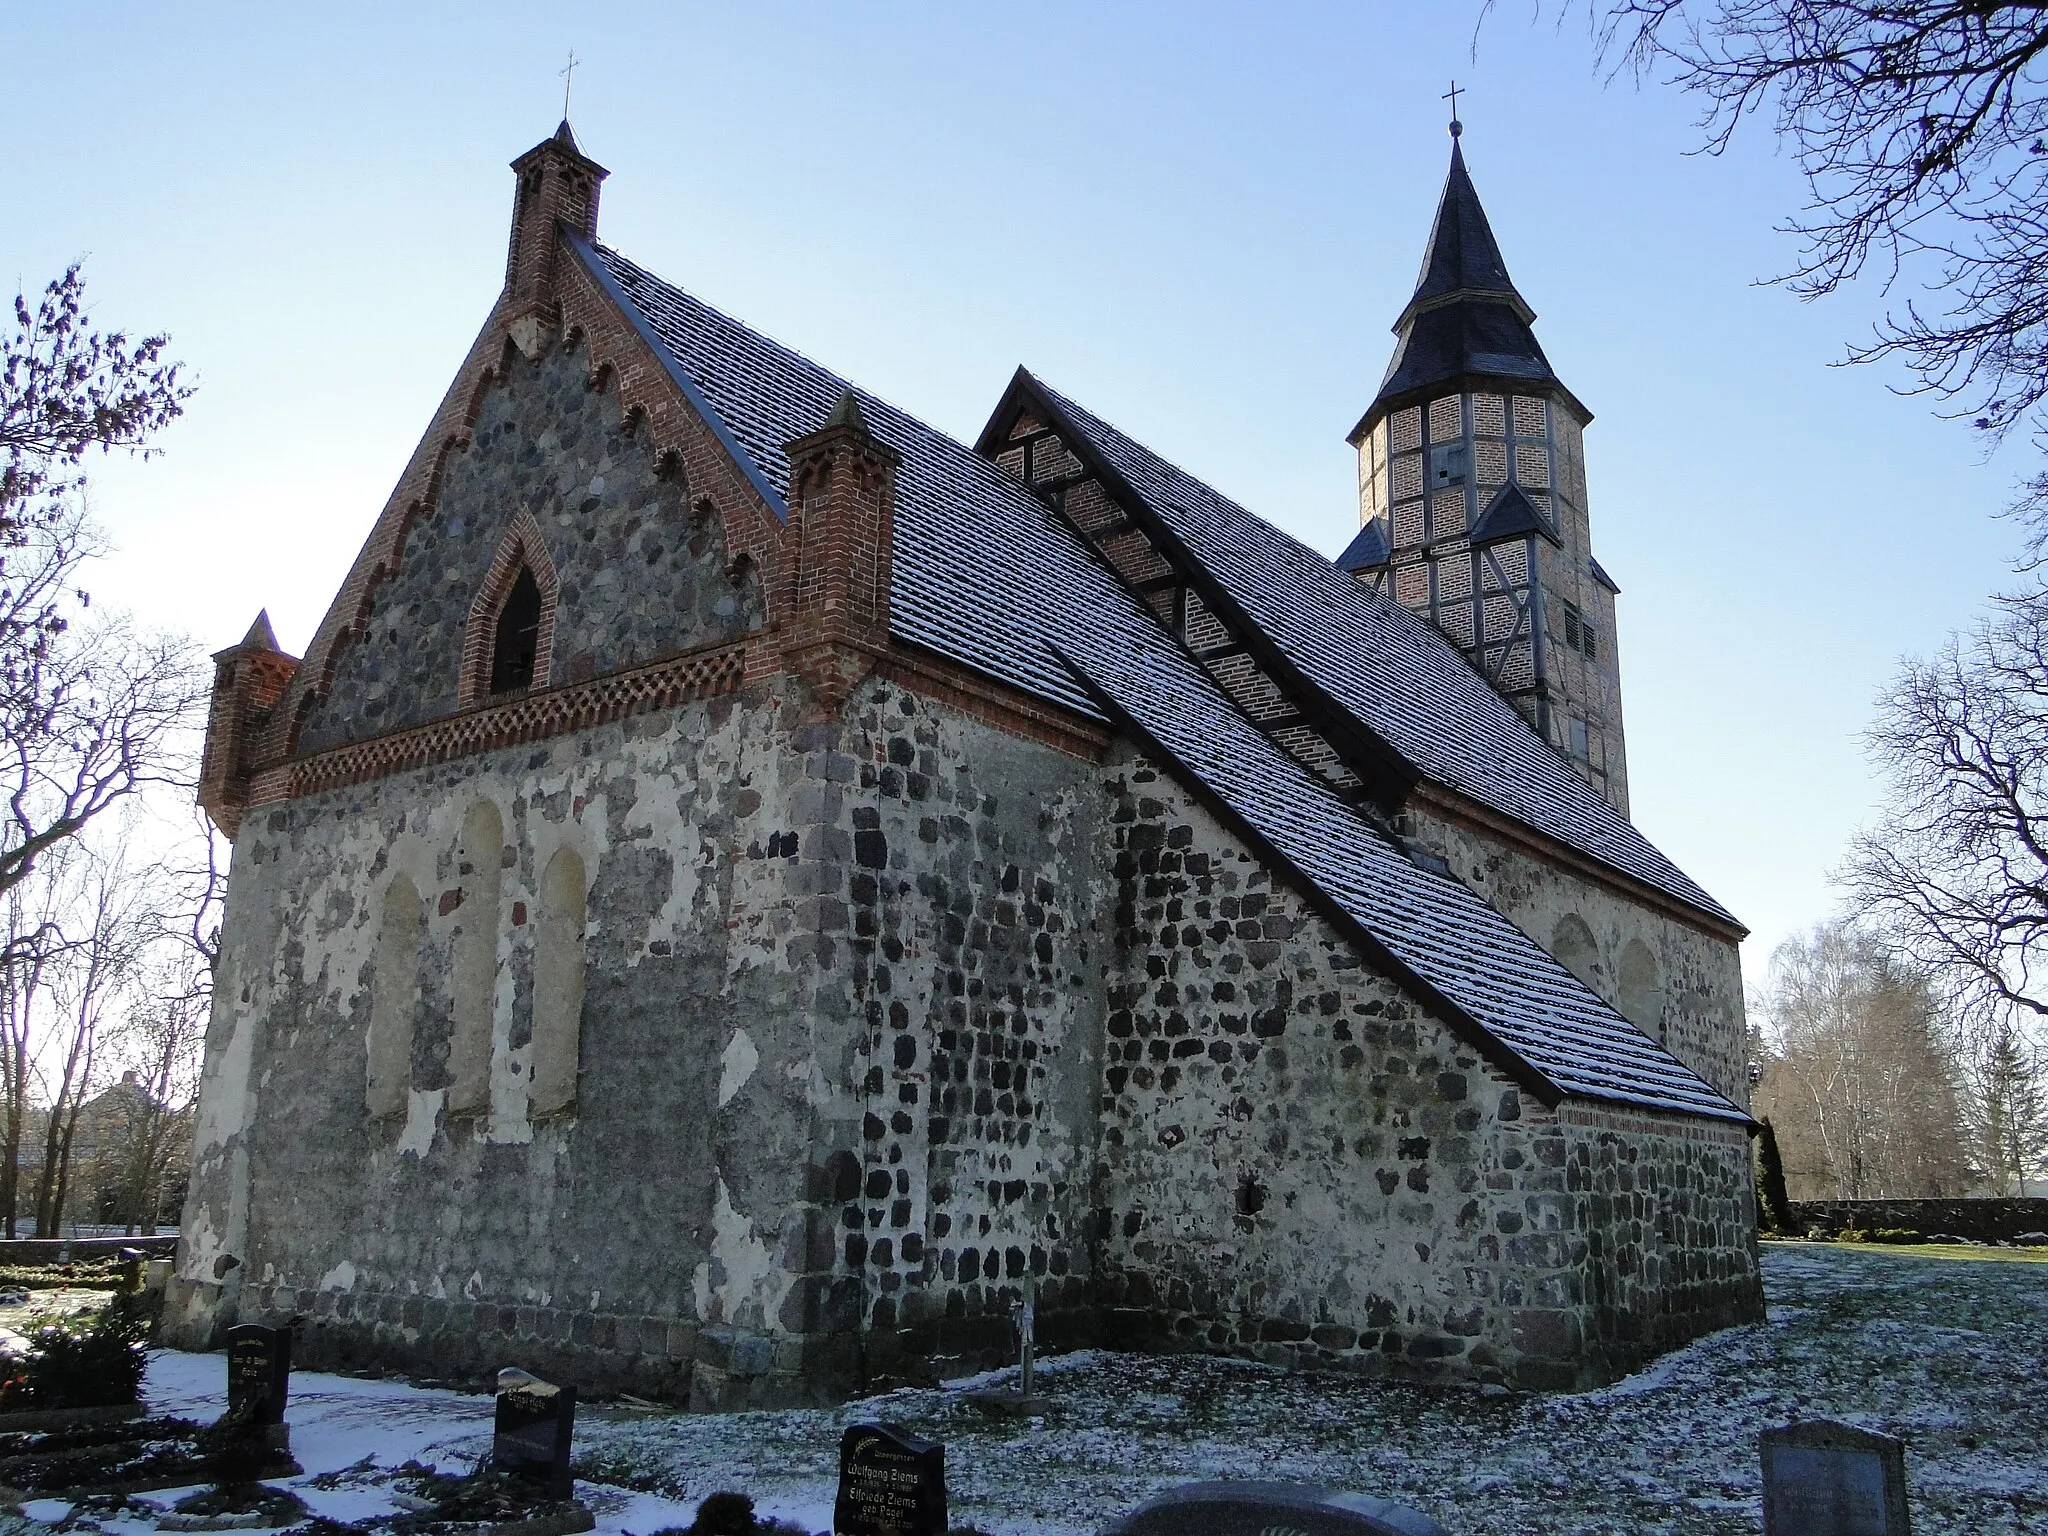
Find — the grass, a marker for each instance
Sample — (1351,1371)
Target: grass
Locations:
(1967,1251)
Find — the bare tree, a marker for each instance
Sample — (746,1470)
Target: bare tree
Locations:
(89,717)
(2007,1104)
(112,909)
(161,1039)
(1921,127)
(33,942)
(159,1044)
(1857,1076)
(1956,868)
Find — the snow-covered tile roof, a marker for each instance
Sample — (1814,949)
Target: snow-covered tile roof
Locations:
(1391,671)
(989,576)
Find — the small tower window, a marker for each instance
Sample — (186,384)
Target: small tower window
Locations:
(518,637)
(1447,463)
(1579,634)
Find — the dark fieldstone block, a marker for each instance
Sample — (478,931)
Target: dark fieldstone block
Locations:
(1544,1332)
(1282,1331)
(1334,1336)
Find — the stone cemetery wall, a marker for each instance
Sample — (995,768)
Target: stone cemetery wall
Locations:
(51,1251)
(1981,1221)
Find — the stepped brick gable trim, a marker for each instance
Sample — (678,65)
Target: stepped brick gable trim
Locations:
(522,546)
(698,674)
(620,357)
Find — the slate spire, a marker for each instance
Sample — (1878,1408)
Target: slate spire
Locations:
(1466,322)
(261,636)
(1462,257)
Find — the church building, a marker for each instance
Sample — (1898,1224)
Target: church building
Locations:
(742,883)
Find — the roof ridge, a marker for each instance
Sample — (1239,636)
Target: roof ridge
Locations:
(1005,601)
(1605,834)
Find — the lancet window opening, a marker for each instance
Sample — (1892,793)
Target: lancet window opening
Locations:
(508,641)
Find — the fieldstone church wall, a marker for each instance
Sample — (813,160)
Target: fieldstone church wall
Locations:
(1302,1165)
(879,1016)
(741,1052)
(641,573)
(1677,982)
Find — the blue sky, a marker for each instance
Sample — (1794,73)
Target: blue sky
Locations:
(1200,220)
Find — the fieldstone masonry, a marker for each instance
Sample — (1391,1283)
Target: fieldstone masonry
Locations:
(642,574)
(749,1033)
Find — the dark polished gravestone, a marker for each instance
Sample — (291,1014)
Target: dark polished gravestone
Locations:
(1270,1509)
(259,1373)
(535,1423)
(890,1484)
(1827,1479)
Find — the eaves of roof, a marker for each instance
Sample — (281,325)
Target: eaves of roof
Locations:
(1386,671)
(990,577)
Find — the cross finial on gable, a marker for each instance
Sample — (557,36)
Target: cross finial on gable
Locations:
(1451,96)
(568,79)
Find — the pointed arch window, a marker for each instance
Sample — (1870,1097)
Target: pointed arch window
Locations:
(509,641)
(518,634)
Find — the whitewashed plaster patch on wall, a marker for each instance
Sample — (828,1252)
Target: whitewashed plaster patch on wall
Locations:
(741,1284)
(673,816)
(422,1113)
(736,1066)
(340,1278)
(818,1092)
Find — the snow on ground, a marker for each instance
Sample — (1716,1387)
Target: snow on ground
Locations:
(1951,1355)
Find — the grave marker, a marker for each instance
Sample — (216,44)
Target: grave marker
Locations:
(1827,1479)
(259,1373)
(535,1423)
(891,1483)
(1270,1509)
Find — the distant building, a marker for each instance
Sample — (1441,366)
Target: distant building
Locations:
(740,880)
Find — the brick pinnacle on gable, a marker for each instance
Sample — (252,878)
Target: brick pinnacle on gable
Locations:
(558,185)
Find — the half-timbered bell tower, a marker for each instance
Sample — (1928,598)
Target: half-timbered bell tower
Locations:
(1472,495)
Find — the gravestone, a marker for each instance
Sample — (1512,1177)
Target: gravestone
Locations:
(890,1484)
(536,1420)
(1827,1479)
(259,1373)
(1270,1509)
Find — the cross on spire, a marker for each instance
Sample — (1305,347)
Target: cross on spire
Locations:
(1452,96)
(569,79)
